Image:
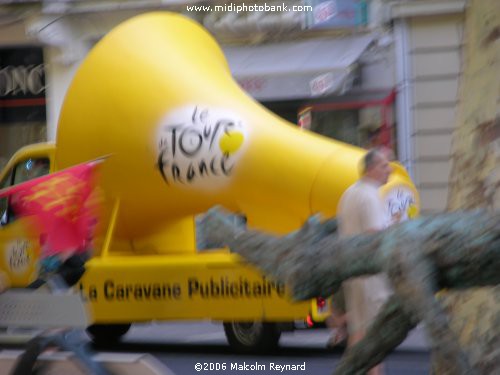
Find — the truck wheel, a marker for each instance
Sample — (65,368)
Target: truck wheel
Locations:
(250,337)
(106,334)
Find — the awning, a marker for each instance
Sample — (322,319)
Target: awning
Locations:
(295,70)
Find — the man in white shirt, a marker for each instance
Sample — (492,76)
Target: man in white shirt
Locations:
(361,210)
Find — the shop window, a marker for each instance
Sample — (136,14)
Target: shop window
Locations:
(22,99)
(340,125)
(363,123)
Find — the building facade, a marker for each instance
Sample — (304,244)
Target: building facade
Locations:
(429,43)
(22,89)
(367,72)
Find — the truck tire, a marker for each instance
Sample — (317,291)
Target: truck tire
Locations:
(252,337)
(105,334)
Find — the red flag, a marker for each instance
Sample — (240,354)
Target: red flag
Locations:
(61,206)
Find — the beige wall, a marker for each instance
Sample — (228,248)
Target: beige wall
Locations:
(435,59)
(14,34)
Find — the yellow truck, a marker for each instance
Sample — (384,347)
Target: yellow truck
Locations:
(157,96)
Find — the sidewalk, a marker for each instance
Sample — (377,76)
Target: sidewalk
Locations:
(416,340)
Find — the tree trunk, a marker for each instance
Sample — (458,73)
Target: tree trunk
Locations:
(475,175)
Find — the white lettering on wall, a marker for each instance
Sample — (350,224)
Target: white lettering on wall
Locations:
(22,80)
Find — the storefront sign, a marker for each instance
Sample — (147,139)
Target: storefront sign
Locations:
(22,85)
(252,85)
(335,14)
(322,84)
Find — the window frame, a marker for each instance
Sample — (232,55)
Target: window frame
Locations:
(6,214)
(386,137)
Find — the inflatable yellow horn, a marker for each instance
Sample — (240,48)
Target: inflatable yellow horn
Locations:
(156,93)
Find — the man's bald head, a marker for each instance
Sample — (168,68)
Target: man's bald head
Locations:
(375,165)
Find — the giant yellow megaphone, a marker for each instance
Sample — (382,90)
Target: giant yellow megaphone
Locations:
(156,93)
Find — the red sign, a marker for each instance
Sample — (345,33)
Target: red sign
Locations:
(253,85)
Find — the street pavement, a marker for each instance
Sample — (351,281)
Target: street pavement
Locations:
(212,333)
(182,346)
(201,348)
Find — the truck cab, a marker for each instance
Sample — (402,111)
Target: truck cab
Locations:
(20,247)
